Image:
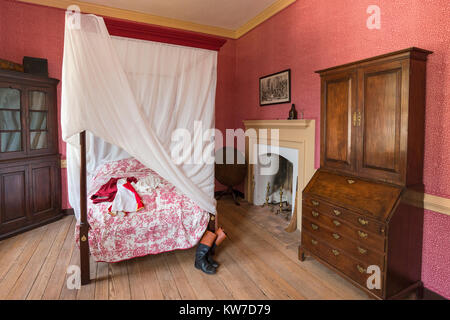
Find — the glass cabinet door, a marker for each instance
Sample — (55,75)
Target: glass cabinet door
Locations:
(38,118)
(10,120)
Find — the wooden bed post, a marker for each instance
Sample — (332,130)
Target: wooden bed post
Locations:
(84,225)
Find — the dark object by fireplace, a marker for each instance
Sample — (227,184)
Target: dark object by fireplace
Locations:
(230,174)
(292,113)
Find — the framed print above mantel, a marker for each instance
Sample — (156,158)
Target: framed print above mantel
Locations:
(275,88)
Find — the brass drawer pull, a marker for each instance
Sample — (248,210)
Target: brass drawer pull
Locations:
(336,236)
(337,212)
(315,214)
(314,242)
(362,221)
(315,227)
(83,238)
(351,181)
(362,250)
(315,203)
(336,223)
(361,269)
(363,234)
(335,252)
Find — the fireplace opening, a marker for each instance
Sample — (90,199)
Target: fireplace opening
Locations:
(276,190)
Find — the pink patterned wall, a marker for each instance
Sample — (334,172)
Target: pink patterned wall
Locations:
(315,34)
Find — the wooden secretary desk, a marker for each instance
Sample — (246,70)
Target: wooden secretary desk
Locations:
(30,176)
(355,217)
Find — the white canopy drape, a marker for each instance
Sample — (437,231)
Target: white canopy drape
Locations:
(130,95)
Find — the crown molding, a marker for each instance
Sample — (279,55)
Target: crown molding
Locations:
(106,11)
(269,12)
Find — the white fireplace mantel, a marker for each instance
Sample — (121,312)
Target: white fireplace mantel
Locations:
(294,134)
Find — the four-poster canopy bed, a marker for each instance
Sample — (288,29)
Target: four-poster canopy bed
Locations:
(161,88)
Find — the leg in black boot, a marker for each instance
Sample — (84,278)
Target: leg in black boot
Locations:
(211,261)
(201,255)
(221,235)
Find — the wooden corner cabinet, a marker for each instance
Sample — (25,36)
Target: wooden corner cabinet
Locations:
(355,217)
(30,174)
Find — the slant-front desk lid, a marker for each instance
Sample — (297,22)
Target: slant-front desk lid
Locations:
(372,198)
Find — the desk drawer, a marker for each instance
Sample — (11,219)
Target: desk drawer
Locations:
(355,248)
(352,268)
(360,221)
(344,228)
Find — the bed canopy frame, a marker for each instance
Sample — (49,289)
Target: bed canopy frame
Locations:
(142,32)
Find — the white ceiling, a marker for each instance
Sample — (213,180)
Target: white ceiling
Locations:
(228,14)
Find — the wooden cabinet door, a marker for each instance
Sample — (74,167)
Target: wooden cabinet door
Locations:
(338,105)
(46,189)
(41,121)
(14,203)
(383,107)
(12,121)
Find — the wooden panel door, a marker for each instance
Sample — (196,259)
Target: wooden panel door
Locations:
(383,100)
(338,105)
(45,189)
(41,123)
(12,121)
(14,211)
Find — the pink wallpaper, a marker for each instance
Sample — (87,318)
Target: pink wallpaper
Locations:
(315,34)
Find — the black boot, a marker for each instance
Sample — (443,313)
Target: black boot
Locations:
(202,253)
(211,261)
(201,259)
(220,236)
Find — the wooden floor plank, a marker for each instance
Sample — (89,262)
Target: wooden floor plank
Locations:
(268,280)
(197,281)
(165,279)
(87,292)
(136,281)
(13,249)
(58,277)
(235,278)
(21,262)
(29,275)
(179,277)
(119,283)
(150,281)
(42,279)
(66,292)
(102,281)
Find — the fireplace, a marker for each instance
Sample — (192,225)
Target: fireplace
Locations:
(280,185)
(295,143)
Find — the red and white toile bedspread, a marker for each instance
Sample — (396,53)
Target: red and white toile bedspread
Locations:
(169,220)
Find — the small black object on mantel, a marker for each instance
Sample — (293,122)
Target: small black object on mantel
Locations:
(292,113)
(36,66)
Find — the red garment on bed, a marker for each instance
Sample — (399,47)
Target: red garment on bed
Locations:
(107,192)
